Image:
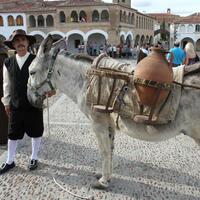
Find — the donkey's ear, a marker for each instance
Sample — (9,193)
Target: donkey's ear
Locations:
(46,45)
(60,44)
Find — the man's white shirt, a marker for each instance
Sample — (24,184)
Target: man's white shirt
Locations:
(6,80)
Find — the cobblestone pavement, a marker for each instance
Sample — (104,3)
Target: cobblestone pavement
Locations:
(141,171)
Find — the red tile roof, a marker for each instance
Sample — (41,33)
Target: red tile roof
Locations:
(191,19)
(167,17)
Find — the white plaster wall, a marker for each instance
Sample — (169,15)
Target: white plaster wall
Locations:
(6,30)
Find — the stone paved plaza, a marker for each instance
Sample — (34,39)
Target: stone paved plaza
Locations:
(141,170)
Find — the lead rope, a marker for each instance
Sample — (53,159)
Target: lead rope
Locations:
(49,135)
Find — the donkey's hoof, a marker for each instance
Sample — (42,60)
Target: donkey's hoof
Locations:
(99,186)
(98,175)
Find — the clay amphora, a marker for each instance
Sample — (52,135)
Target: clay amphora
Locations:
(156,68)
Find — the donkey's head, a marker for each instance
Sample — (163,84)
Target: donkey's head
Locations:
(41,77)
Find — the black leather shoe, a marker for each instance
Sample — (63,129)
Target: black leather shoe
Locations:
(33,164)
(6,167)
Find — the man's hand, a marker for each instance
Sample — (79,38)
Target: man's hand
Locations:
(7,109)
(50,93)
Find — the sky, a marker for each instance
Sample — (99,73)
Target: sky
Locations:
(179,7)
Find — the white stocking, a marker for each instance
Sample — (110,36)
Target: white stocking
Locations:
(12,145)
(35,147)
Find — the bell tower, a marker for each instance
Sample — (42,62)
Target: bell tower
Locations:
(123,2)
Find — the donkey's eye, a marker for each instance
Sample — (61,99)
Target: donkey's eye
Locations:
(32,73)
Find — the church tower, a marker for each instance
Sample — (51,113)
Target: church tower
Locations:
(123,2)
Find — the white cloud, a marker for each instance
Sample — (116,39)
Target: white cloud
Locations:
(139,3)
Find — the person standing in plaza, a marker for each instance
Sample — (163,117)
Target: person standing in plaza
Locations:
(176,55)
(191,55)
(23,117)
(3,116)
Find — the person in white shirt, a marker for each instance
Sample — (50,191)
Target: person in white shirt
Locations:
(23,117)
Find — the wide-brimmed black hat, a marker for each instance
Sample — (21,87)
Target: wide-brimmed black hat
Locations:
(18,32)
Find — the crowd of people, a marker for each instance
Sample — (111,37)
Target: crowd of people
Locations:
(114,51)
(176,56)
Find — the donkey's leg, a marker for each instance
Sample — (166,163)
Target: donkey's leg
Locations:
(105,134)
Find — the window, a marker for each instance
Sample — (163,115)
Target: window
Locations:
(197,28)
(49,20)
(40,21)
(62,17)
(32,21)
(104,16)
(95,16)
(19,21)
(11,21)
(74,16)
(1,21)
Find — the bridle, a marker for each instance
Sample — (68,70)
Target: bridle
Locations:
(47,80)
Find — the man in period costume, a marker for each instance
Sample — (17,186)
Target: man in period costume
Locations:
(23,117)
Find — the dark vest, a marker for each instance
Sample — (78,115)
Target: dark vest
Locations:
(18,81)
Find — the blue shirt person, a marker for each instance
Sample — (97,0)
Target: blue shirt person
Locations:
(176,56)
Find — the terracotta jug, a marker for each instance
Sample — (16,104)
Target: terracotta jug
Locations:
(155,68)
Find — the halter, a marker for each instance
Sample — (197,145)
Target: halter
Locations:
(47,80)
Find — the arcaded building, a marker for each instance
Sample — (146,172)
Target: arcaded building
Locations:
(80,21)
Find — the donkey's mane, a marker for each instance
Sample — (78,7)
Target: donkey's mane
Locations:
(78,57)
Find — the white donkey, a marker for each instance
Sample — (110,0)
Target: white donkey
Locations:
(54,70)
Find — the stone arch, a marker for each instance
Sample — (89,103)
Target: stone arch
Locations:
(121,16)
(190,28)
(142,40)
(74,16)
(151,40)
(58,34)
(11,21)
(129,18)
(147,39)
(182,28)
(49,21)
(95,41)
(42,34)
(76,32)
(105,34)
(32,21)
(129,40)
(1,21)
(19,20)
(133,18)
(82,16)
(40,21)
(62,17)
(137,40)
(129,34)
(185,40)
(122,37)
(124,16)
(104,16)
(95,16)
(74,40)
(198,45)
